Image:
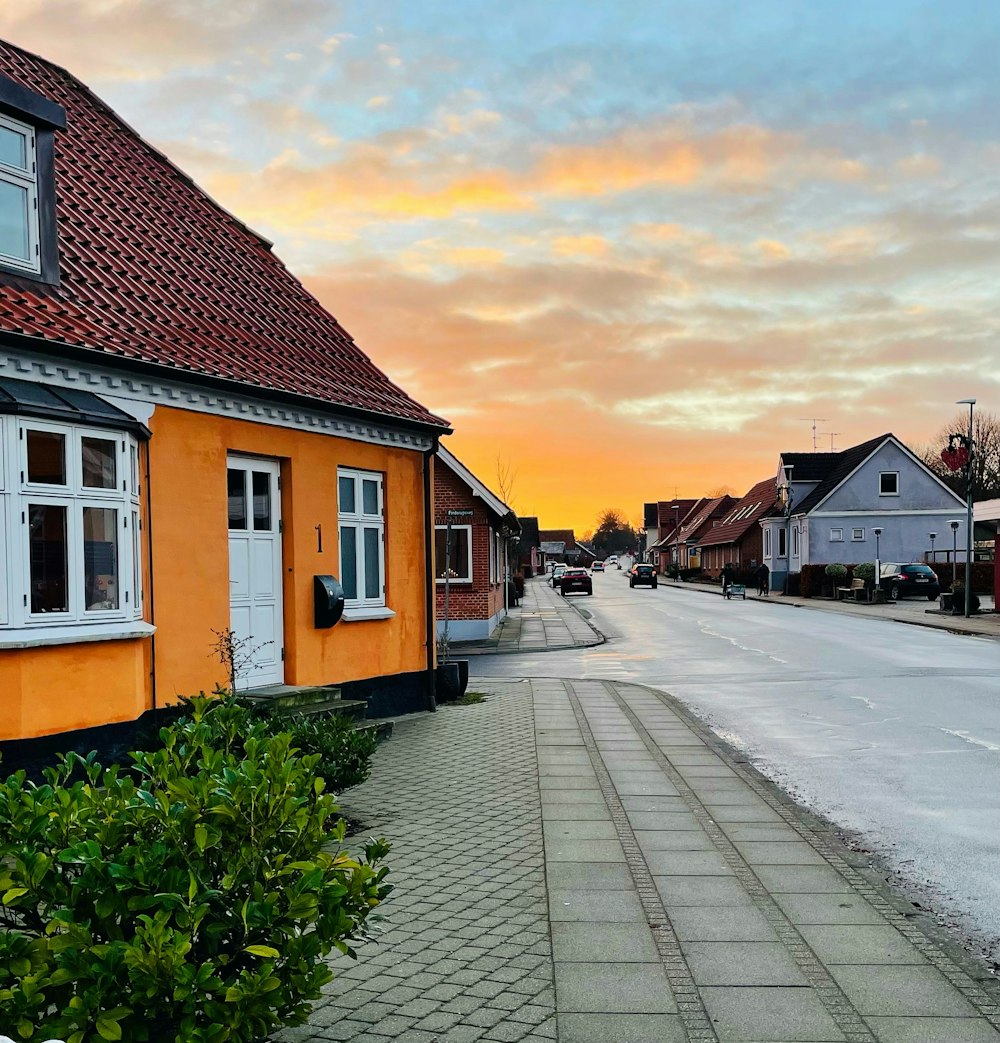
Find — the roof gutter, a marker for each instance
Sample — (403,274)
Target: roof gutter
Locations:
(98,357)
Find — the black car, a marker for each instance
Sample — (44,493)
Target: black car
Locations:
(640,574)
(576,581)
(906,580)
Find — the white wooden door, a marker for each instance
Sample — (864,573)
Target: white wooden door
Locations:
(255,592)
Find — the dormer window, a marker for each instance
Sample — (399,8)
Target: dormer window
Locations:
(18,196)
(28,123)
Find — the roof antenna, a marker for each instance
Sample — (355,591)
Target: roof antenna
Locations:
(815,420)
(833,435)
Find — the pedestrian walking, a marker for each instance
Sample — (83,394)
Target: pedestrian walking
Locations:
(728,574)
(763,578)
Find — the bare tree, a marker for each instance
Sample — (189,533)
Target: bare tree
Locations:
(613,534)
(506,476)
(719,490)
(985,460)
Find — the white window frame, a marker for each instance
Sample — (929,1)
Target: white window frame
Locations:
(882,475)
(857,535)
(466,579)
(27,180)
(837,535)
(18,494)
(359,521)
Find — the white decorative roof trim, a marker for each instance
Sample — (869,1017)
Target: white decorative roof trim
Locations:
(104,380)
(492,501)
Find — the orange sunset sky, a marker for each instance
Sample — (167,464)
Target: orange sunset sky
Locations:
(623,248)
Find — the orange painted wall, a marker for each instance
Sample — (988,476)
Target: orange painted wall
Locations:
(61,688)
(191,552)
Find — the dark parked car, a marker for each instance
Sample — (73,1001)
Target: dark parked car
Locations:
(642,573)
(900,581)
(576,581)
(557,572)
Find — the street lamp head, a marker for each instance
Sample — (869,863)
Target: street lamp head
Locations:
(966,402)
(933,535)
(953,525)
(877,531)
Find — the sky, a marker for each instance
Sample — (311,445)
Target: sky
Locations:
(630,250)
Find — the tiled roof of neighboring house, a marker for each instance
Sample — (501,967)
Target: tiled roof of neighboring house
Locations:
(553,547)
(700,521)
(154,271)
(666,513)
(558,536)
(492,502)
(744,515)
(529,534)
(809,467)
(841,465)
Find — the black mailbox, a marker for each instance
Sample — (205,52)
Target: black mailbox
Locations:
(328,596)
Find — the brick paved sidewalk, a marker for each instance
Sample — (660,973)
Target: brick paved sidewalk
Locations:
(544,622)
(593,836)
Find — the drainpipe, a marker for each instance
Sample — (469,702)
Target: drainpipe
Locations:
(430,585)
(149,558)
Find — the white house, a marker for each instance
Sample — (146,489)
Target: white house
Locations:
(831,504)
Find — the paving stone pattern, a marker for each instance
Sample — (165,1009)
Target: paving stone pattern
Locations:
(464,952)
(584,861)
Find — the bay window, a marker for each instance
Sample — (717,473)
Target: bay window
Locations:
(70,535)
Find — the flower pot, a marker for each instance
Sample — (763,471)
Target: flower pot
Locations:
(452,680)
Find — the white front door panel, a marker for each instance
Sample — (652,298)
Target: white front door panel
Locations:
(254,507)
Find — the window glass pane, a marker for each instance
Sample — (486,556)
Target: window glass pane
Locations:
(237,488)
(100,558)
(373,571)
(261,501)
(346,495)
(459,560)
(13,148)
(48,558)
(99,467)
(136,562)
(46,457)
(349,561)
(369,497)
(14,221)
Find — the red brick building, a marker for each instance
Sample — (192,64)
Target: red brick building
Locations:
(480,542)
(738,539)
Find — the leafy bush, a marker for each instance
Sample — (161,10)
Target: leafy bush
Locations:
(190,899)
(865,571)
(836,572)
(344,752)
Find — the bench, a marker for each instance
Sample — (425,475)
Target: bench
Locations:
(856,591)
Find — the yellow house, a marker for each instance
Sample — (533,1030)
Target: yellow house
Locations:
(187,440)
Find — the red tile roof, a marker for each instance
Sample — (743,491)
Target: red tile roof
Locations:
(697,522)
(744,515)
(154,270)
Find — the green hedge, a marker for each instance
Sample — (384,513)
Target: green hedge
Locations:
(190,899)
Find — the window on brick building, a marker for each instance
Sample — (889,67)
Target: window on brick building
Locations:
(457,563)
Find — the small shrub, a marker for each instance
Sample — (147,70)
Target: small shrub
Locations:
(836,572)
(470,699)
(191,899)
(865,571)
(958,600)
(345,753)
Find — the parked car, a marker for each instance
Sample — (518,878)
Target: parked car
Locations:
(598,566)
(575,581)
(557,571)
(642,573)
(903,580)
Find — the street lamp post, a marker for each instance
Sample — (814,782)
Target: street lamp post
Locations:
(953,525)
(878,563)
(933,537)
(970,402)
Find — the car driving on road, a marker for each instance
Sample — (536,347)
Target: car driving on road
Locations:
(909,580)
(598,566)
(575,581)
(640,574)
(557,572)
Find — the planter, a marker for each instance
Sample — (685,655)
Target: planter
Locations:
(944,602)
(452,680)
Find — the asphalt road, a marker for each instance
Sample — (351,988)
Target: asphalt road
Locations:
(889,730)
